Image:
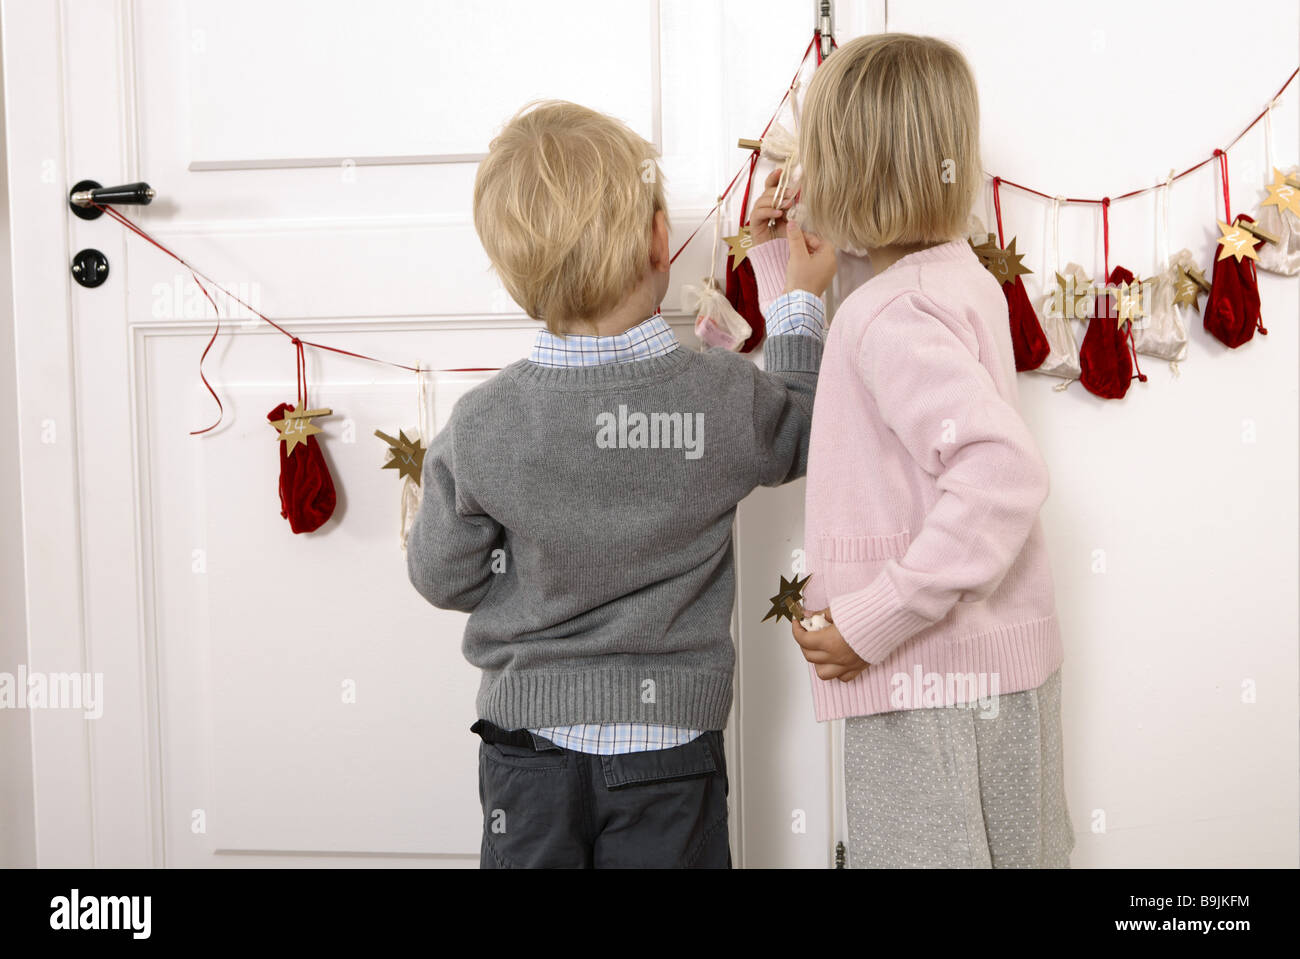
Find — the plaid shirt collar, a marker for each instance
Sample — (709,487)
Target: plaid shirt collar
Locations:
(652,338)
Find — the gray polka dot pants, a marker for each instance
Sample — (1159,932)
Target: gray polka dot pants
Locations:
(959,787)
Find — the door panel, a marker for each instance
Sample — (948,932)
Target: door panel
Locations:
(319,161)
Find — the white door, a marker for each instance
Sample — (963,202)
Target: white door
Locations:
(272,698)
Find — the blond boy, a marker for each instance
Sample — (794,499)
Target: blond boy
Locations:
(602,476)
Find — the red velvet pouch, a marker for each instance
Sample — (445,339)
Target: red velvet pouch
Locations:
(1232,312)
(307,494)
(742,285)
(1104,360)
(1028,340)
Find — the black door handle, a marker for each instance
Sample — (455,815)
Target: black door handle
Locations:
(88,192)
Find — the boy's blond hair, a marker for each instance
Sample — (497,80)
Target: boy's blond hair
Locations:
(890,143)
(564,204)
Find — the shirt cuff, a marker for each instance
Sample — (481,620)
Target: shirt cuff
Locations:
(797,312)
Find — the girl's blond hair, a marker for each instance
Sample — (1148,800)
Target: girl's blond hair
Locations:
(890,143)
(564,204)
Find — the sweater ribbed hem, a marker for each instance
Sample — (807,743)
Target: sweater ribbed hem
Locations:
(693,699)
(873,620)
(769,260)
(1017,657)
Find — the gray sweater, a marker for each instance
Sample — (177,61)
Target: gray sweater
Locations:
(583,518)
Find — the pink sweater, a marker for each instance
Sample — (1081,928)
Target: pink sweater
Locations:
(924,487)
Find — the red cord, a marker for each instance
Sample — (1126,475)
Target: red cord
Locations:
(298,342)
(1132,345)
(997,207)
(1254,278)
(749,184)
(753,159)
(1223,171)
(221,410)
(1105,236)
(1189,170)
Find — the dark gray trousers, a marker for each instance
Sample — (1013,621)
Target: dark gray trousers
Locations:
(547,807)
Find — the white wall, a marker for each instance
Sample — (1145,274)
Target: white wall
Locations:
(1196,519)
(17,845)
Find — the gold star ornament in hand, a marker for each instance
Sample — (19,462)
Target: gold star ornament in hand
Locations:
(407,455)
(1236,241)
(788,602)
(295,427)
(738,246)
(1282,194)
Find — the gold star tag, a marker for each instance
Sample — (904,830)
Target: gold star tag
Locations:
(407,455)
(1197,277)
(1005,264)
(1236,242)
(788,602)
(1186,290)
(1282,194)
(986,249)
(738,246)
(1073,298)
(1129,299)
(296,427)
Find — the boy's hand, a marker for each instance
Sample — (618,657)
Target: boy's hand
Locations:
(812,262)
(765,209)
(828,651)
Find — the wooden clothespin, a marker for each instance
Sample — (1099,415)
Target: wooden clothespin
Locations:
(747,144)
(300,414)
(1254,230)
(1197,277)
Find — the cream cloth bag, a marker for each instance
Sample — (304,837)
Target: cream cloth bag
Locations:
(1162,333)
(1284,255)
(1063,354)
(717,324)
(410,488)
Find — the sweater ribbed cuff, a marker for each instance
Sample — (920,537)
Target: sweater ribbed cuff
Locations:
(792,353)
(873,620)
(769,261)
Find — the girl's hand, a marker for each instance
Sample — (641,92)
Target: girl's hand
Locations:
(812,262)
(828,651)
(765,208)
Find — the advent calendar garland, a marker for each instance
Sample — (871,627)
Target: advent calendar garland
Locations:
(1105,362)
(741,286)
(307,494)
(1108,355)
